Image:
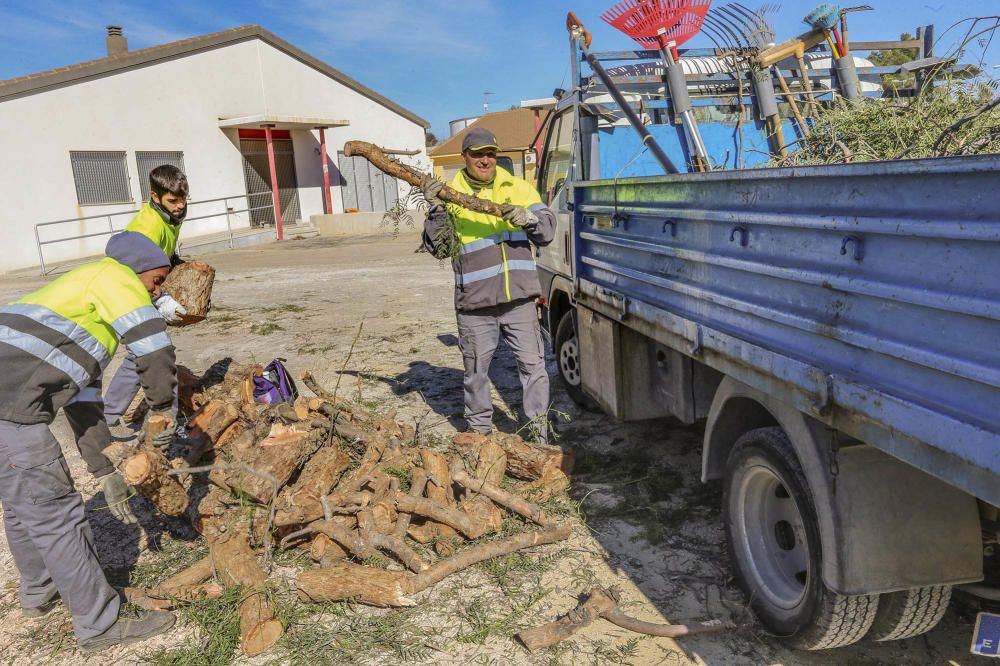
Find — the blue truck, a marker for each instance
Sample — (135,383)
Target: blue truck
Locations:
(836,329)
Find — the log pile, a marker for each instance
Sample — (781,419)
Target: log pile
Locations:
(382,517)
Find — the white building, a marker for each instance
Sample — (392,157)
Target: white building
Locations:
(77,143)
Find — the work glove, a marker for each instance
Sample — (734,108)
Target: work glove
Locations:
(116,494)
(519,216)
(162,440)
(431,186)
(170,309)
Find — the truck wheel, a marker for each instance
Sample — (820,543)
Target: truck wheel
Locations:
(909,613)
(775,547)
(567,352)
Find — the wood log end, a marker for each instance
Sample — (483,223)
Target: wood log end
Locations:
(262,637)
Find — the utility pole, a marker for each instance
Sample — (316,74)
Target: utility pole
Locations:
(486,100)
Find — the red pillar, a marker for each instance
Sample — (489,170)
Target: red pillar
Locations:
(274,182)
(326,172)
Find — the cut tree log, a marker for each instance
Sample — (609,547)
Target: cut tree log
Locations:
(345,581)
(525,460)
(146,471)
(308,510)
(439,489)
(148,600)
(505,499)
(418,482)
(190,284)
(300,502)
(486,551)
(396,169)
(603,603)
(454,518)
(211,421)
(236,565)
(550,485)
(269,467)
(197,573)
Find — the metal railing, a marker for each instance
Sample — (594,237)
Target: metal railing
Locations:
(229,212)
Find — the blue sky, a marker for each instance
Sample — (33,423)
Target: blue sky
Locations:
(434,57)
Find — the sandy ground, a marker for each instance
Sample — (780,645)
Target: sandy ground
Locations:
(646,523)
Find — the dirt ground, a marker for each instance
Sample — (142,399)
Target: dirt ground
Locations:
(642,520)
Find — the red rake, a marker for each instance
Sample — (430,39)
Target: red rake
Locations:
(658,23)
(665,25)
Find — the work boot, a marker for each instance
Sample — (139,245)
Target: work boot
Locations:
(43,609)
(131,627)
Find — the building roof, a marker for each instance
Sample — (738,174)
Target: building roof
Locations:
(514,129)
(93,69)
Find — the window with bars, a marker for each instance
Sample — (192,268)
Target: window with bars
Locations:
(147,160)
(101,176)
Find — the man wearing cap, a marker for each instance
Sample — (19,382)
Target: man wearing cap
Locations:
(159,220)
(496,283)
(54,346)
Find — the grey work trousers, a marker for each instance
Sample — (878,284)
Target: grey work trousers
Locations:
(479,332)
(124,385)
(47,531)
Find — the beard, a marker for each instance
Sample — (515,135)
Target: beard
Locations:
(176,219)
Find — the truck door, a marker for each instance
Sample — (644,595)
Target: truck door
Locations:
(554,173)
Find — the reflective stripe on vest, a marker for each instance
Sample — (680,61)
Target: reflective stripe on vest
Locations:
(58,323)
(489,241)
(47,353)
(149,344)
(130,320)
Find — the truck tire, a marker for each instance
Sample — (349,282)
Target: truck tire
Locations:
(909,613)
(567,353)
(775,548)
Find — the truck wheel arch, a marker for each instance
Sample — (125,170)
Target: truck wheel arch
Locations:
(559,302)
(859,508)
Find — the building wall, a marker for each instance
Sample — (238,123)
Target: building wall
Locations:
(172,105)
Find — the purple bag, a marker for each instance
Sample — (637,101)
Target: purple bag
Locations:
(274,385)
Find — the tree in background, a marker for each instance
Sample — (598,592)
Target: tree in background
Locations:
(429,139)
(893,83)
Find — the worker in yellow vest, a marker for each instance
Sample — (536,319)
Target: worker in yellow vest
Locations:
(496,282)
(159,220)
(54,346)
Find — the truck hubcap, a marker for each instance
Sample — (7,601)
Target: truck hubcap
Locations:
(772,536)
(569,362)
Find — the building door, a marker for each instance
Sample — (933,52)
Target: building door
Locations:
(365,187)
(256,172)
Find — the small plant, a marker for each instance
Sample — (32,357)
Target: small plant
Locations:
(266,328)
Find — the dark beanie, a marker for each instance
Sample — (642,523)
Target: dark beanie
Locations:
(136,251)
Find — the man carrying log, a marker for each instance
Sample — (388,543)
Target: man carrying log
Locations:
(159,220)
(496,283)
(54,345)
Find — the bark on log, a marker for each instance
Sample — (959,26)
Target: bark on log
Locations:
(418,482)
(309,510)
(452,517)
(193,575)
(212,421)
(525,460)
(352,582)
(486,551)
(550,485)
(236,565)
(324,550)
(380,160)
(188,385)
(300,502)
(354,542)
(275,459)
(190,284)
(146,471)
(492,464)
(149,600)
(603,603)
(519,506)
(439,489)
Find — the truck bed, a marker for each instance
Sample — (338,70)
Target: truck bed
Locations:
(866,295)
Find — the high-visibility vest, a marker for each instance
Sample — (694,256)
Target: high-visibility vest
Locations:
(155,226)
(56,342)
(497,263)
